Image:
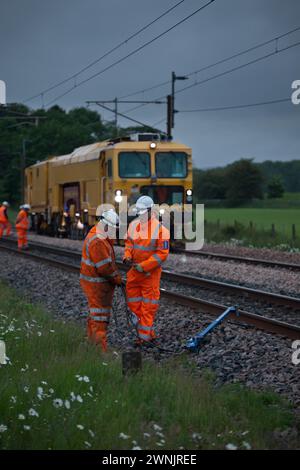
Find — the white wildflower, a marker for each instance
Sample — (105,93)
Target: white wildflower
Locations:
(51,391)
(52,331)
(159,444)
(104,364)
(67,404)
(39,333)
(244,433)
(88,444)
(79,426)
(146,434)
(73,396)
(86,379)
(13,399)
(123,436)
(136,448)
(27,428)
(159,434)
(33,412)
(40,391)
(44,382)
(57,403)
(230,447)
(22,417)
(91,433)
(3,428)
(91,389)
(79,399)
(156,427)
(246,445)
(26,389)
(196,436)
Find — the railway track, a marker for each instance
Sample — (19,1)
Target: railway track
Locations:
(239,259)
(257,294)
(258,321)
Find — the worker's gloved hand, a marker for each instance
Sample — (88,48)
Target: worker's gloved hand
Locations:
(139,268)
(117,280)
(127,261)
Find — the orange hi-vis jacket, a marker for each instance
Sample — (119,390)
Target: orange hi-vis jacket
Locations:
(22,221)
(147,244)
(3,215)
(98,264)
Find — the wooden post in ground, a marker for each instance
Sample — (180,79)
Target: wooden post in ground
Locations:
(294,232)
(273,230)
(131,362)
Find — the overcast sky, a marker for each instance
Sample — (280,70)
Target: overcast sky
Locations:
(43,42)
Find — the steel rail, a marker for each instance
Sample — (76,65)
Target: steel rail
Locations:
(240,259)
(187,279)
(258,321)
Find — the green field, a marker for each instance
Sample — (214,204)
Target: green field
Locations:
(262,219)
(59,392)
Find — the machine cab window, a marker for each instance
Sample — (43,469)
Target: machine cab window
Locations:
(171,164)
(134,165)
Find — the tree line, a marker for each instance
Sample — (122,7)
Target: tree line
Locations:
(242,181)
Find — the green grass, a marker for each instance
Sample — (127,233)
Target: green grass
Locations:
(261,218)
(51,354)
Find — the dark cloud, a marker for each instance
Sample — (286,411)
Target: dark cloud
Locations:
(42,42)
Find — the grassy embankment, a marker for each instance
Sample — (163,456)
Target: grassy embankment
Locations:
(253,226)
(58,392)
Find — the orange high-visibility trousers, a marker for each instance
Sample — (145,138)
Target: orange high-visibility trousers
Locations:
(142,291)
(5,226)
(22,238)
(99,301)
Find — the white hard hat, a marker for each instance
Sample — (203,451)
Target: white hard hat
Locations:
(5,203)
(109,217)
(143,204)
(26,207)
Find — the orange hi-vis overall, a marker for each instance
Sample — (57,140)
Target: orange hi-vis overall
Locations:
(98,277)
(4,222)
(147,244)
(22,225)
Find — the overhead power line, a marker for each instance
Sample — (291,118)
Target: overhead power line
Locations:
(106,54)
(238,106)
(214,64)
(239,67)
(135,51)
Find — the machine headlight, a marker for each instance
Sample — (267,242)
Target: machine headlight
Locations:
(77,214)
(118,196)
(153,145)
(85,210)
(189,192)
(162,211)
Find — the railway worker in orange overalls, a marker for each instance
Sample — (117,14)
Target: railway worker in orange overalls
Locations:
(22,226)
(5,225)
(146,248)
(99,274)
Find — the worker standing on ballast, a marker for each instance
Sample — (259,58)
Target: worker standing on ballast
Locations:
(99,274)
(5,225)
(146,248)
(22,226)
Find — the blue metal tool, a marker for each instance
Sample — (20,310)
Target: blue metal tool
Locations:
(193,343)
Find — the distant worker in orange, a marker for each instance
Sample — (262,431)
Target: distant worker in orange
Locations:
(22,226)
(146,248)
(5,225)
(99,275)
